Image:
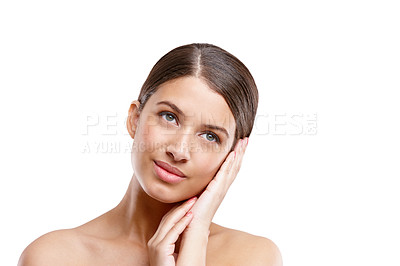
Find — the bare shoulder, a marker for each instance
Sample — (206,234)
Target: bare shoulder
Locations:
(240,248)
(52,249)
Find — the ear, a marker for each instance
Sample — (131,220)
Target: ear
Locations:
(133,118)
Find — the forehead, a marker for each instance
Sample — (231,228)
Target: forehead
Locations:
(197,101)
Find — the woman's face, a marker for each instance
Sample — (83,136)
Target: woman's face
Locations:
(181,138)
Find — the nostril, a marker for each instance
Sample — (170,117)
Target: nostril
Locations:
(170,154)
(178,155)
(178,149)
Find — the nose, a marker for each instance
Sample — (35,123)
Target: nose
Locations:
(179,148)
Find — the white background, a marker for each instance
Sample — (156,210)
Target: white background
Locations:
(326,198)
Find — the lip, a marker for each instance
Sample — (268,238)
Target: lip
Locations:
(168,173)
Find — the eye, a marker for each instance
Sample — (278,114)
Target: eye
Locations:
(168,116)
(211,137)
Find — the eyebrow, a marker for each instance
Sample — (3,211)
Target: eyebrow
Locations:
(179,111)
(223,130)
(173,106)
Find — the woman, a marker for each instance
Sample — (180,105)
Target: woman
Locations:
(190,128)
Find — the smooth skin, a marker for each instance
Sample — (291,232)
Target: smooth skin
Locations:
(159,223)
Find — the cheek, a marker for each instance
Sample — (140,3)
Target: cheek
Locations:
(143,143)
(208,165)
(148,137)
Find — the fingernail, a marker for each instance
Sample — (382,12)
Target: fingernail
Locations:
(189,213)
(234,154)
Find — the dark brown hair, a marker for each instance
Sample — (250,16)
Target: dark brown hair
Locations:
(223,73)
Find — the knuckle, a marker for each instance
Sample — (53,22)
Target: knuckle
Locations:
(176,228)
(182,211)
(150,244)
(180,226)
(155,248)
(159,246)
(165,218)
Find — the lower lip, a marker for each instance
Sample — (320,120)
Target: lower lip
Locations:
(166,176)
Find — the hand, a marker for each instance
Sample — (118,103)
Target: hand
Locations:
(209,201)
(193,247)
(161,246)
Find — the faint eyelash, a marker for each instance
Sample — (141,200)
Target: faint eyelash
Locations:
(217,140)
(161,114)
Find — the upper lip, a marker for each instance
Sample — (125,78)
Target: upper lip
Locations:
(169,168)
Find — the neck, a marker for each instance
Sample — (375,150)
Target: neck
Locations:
(138,215)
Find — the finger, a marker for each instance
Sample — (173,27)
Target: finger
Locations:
(172,236)
(172,217)
(178,211)
(234,158)
(231,172)
(226,166)
(229,169)
(240,153)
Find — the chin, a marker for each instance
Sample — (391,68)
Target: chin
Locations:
(164,193)
(159,190)
(169,193)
